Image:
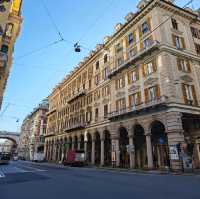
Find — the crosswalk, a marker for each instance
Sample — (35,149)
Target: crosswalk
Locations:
(17,168)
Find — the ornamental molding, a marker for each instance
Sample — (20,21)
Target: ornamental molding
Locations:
(120,94)
(186,78)
(133,88)
(150,81)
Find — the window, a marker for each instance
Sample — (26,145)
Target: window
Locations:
(130,38)
(133,76)
(105,73)
(121,104)
(119,61)
(179,42)
(105,110)
(145,27)
(183,65)
(106,91)
(189,94)
(120,83)
(135,99)
(149,68)
(90,84)
(174,24)
(4,49)
(197,47)
(195,32)
(152,93)
(97,79)
(132,52)
(147,43)
(118,48)
(9,30)
(105,59)
(96,113)
(97,65)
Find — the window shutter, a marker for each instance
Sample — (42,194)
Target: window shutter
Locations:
(146,95)
(189,66)
(154,62)
(184,93)
(139,98)
(149,23)
(183,42)
(143,70)
(130,101)
(137,74)
(158,91)
(116,84)
(129,77)
(127,43)
(179,64)
(194,96)
(174,39)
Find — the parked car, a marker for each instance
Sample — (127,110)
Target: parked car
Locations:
(5,158)
(75,158)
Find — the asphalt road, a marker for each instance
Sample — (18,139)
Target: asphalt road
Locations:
(22,180)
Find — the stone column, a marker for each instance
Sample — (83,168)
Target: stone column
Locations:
(93,151)
(117,153)
(149,151)
(132,153)
(102,151)
(85,149)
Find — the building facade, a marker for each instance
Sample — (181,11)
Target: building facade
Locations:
(10,25)
(32,133)
(134,101)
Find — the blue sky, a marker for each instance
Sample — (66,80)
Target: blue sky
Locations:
(33,77)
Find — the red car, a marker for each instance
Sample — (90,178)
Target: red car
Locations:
(75,158)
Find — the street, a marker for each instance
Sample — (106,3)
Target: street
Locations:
(23,180)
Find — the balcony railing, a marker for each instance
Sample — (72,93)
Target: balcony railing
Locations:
(76,95)
(133,57)
(3,59)
(77,126)
(132,109)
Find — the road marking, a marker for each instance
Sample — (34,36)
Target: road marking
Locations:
(34,169)
(2,175)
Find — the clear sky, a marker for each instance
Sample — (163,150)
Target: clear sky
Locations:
(33,77)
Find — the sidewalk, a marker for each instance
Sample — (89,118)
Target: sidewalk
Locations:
(121,170)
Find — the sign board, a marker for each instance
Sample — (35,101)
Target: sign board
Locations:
(173,152)
(130,148)
(113,156)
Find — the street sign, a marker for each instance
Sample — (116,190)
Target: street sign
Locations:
(130,148)
(173,152)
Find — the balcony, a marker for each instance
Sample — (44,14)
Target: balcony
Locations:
(134,57)
(3,59)
(77,126)
(76,95)
(162,102)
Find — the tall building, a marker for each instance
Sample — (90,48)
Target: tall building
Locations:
(134,101)
(10,25)
(32,133)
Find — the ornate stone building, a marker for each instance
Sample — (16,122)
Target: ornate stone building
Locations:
(32,133)
(10,25)
(134,101)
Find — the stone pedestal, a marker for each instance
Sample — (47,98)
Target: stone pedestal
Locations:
(102,152)
(93,152)
(149,151)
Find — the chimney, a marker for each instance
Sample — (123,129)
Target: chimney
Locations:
(118,26)
(129,16)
